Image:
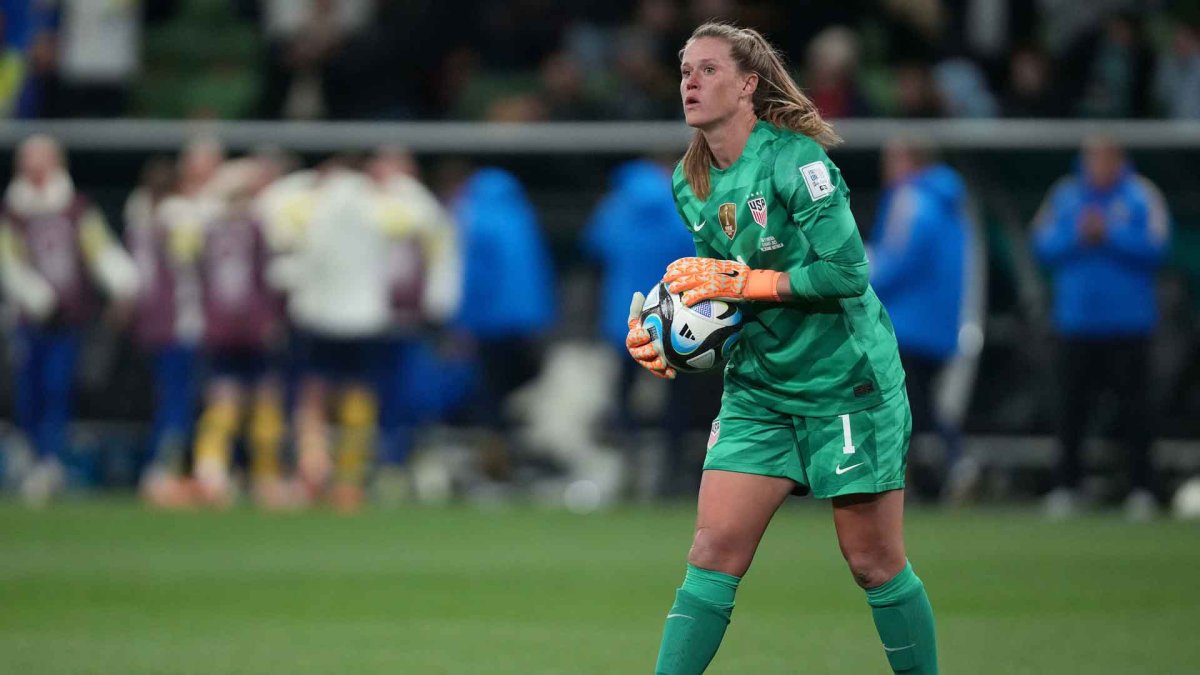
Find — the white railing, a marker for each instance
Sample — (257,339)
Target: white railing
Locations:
(579,137)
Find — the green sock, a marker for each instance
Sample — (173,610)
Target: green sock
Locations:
(904,620)
(696,622)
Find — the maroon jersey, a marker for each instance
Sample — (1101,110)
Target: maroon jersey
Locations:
(157,312)
(53,249)
(241,311)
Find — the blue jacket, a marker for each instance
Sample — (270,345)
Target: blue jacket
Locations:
(633,234)
(508,284)
(918,259)
(1106,290)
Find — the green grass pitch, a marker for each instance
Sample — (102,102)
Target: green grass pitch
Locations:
(107,587)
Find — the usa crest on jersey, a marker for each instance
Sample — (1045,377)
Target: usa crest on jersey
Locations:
(758,208)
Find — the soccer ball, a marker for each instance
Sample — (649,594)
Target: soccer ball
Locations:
(1186,503)
(690,339)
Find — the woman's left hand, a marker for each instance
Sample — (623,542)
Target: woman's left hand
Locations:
(698,279)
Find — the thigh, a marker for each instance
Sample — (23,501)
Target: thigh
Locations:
(1129,377)
(61,356)
(733,512)
(1080,369)
(748,438)
(859,452)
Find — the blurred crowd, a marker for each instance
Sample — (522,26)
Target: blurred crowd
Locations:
(306,327)
(523,60)
(284,313)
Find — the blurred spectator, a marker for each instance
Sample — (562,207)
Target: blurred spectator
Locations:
(1177,82)
(918,251)
(645,57)
(518,34)
(304,38)
(917,94)
(914,28)
(508,300)
(564,95)
(40,95)
(165,328)
(56,253)
(1118,84)
(831,74)
(99,55)
(1030,90)
(986,31)
(640,200)
(962,85)
(12,72)
(1103,234)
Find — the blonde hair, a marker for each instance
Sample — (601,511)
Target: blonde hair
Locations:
(777,99)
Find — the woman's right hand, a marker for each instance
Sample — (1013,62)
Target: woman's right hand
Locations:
(639,343)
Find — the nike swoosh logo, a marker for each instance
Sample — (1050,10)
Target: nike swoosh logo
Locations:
(841,470)
(897,649)
(685,616)
(700,226)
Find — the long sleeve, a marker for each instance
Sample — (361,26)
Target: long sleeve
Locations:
(108,262)
(819,204)
(444,277)
(31,293)
(840,269)
(1055,238)
(899,252)
(1143,240)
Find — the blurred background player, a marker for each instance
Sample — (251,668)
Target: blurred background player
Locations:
(242,334)
(166,327)
(182,217)
(425,284)
(508,301)
(56,252)
(918,252)
(334,271)
(634,232)
(1103,234)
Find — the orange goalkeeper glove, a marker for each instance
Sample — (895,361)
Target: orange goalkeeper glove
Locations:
(697,279)
(639,343)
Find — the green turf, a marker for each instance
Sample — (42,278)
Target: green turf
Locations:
(107,587)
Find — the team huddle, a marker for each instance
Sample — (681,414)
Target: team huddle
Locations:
(258,275)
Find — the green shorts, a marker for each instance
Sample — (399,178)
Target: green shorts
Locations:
(860,452)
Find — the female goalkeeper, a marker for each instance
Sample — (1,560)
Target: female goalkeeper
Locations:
(814,392)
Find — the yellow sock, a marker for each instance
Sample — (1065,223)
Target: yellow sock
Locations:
(214,437)
(266,438)
(358,415)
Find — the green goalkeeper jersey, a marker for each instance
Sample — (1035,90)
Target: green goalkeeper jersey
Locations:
(783,206)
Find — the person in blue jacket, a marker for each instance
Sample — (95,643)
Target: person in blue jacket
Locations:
(1103,234)
(918,250)
(633,232)
(508,301)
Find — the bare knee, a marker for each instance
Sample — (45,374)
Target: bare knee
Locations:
(872,566)
(721,551)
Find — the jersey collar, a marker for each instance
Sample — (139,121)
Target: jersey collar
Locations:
(758,135)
